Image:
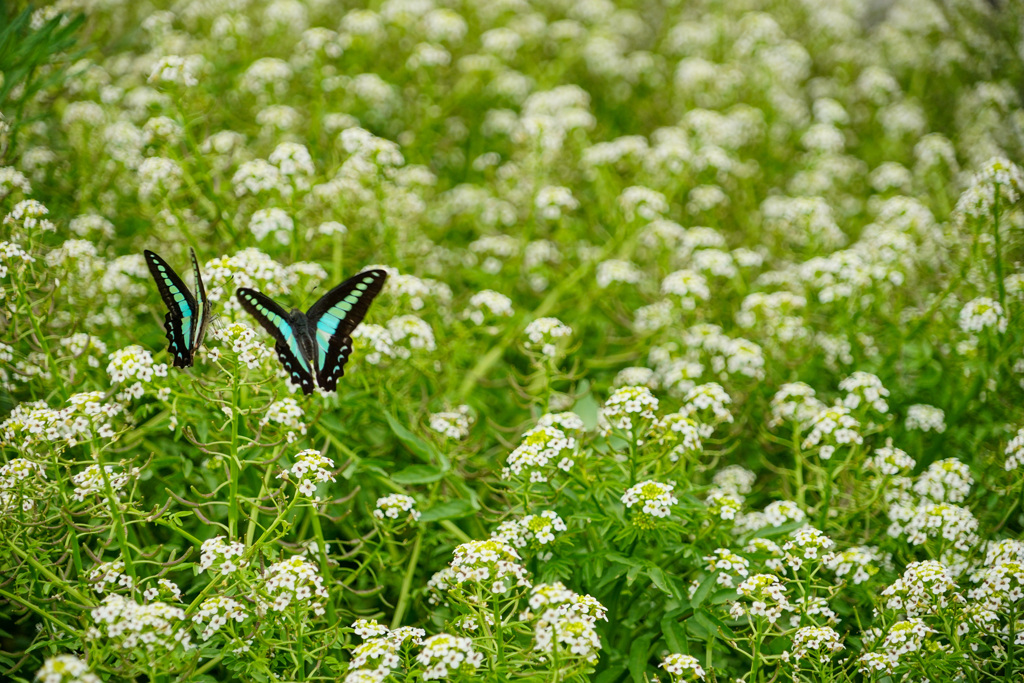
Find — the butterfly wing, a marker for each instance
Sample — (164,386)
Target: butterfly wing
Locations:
(333,318)
(202,304)
(275,320)
(181,317)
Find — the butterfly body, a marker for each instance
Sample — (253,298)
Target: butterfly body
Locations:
(314,346)
(187,316)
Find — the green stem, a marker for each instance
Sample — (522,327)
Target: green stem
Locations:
(798,469)
(1000,286)
(42,613)
(403,598)
(233,464)
(45,571)
(115,515)
(328,577)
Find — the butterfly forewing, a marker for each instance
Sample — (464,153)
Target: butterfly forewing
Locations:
(334,317)
(181,317)
(275,320)
(202,303)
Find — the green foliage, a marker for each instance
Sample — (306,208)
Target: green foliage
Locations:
(699,355)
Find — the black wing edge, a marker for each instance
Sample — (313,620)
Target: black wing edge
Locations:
(178,346)
(358,312)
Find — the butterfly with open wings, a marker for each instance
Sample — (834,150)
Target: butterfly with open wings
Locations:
(187,317)
(314,346)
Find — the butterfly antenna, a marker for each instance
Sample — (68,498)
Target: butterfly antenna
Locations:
(218,288)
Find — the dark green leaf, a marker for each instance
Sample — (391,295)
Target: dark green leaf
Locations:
(417,474)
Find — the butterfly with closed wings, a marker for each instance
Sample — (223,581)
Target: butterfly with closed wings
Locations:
(187,317)
(314,346)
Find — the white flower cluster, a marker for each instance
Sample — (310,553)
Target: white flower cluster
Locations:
(830,428)
(865,389)
(65,669)
(707,404)
(453,424)
(12,255)
(531,529)
(310,468)
(818,642)
(19,480)
(410,333)
(925,418)
(924,589)
(374,343)
(155,629)
(680,432)
(617,270)
(395,505)
(85,417)
(92,480)
(904,637)
(108,575)
(444,655)
(177,69)
(628,409)
(542,447)
(486,304)
(294,583)
(729,566)
(1014,451)
(982,314)
(216,612)
(735,479)
(889,461)
(654,500)
(12,179)
(862,561)
(288,414)
(794,402)
(222,557)
(768,595)
(30,215)
(490,567)
(549,335)
(689,286)
(134,363)
(945,481)
(565,622)
(807,544)
(682,668)
(243,341)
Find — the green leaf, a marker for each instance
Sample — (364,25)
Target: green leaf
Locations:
(586,406)
(417,474)
(638,658)
(416,445)
(454,509)
(675,636)
(661,581)
(704,590)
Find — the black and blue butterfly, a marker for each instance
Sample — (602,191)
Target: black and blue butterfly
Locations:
(314,346)
(187,318)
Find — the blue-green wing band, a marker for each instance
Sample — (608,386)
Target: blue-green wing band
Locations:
(181,316)
(334,317)
(275,321)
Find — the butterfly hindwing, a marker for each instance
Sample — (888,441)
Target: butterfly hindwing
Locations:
(337,355)
(181,317)
(333,318)
(275,320)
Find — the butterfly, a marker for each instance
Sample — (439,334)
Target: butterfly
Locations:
(314,346)
(186,318)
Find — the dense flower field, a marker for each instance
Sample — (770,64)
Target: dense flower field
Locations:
(700,355)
